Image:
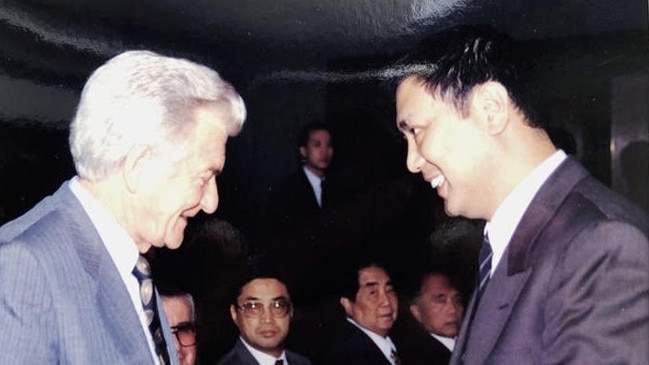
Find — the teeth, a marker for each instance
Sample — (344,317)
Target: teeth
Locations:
(437,181)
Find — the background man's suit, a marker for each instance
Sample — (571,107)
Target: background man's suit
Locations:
(70,305)
(351,346)
(239,355)
(576,268)
(290,202)
(418,347)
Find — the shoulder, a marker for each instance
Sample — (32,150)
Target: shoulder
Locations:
(297,359)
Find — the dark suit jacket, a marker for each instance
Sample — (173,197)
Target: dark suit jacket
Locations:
(351,346)
(62,300)
(420,348)
(572,286)
(290,202)
(239,355)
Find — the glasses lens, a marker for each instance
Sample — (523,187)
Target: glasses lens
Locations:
(280,308)
(277,308)
(185,333)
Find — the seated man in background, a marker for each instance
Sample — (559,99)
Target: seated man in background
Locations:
(179,308)
(439,309)
(371,305)
(262,310)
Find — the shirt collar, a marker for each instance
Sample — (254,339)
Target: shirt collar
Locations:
(262,357)
(448,342)
(502,225)
(118,243)
(384,344)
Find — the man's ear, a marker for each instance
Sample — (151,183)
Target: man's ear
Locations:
(303,152)
(347,305)
(233,314)
(491,102)
(414,310)
(134,167)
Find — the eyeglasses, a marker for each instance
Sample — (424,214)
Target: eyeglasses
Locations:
(278,308)
(185,333)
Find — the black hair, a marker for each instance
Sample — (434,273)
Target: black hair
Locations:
(349,284)
(452,62)
(305,132)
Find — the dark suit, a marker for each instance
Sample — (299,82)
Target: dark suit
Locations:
(62,300)
(350,345)
(572,286)
(290,203)
(420,348)
(239,355)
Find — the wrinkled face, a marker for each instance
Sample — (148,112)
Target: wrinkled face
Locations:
(179,312)
(318,151)
(439,306)
(172,190)
(376,304)
(266,330)
(449,150)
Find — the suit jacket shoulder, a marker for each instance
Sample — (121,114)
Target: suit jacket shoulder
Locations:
(352,346)
(239,355)
(559,280)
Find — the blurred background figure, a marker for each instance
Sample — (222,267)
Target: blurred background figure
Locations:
(180,311)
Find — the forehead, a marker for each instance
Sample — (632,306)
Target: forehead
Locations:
(436,283)
(263,289)
(319,134)
(372,275)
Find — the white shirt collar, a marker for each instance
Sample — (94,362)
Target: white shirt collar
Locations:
(384,344)
(511,210)
(448,342)
(262,357)
(114,237)
(315,182)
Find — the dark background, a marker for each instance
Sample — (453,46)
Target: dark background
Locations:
(299,61)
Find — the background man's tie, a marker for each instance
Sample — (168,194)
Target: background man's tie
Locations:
(142,272)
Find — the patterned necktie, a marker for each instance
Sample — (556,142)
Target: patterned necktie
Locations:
(485,266)
(142,272)
(395,357)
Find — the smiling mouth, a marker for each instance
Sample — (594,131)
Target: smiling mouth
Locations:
(437,181)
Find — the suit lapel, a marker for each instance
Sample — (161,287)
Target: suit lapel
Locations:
(511,275)
(115,306)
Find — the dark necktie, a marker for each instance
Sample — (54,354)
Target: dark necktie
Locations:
(323,193)
(142,272)
(485,267)
(395,357)
(279,362)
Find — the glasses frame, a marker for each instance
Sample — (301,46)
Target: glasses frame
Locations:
(184,327)
(278,308)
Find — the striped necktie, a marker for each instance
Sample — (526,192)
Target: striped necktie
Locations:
(142,271)
(485,266)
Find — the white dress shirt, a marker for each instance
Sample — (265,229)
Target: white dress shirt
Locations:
(316,184)
(502,225)
(262,357)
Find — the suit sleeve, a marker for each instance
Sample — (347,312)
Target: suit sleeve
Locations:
(598,299)
(26,315)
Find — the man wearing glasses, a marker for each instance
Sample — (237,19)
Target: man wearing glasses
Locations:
(179,308)
(262,311)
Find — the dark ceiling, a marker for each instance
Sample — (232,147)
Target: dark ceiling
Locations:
(60,41)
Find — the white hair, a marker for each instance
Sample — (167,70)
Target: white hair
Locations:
(142,98)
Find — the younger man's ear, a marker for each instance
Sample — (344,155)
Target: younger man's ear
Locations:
(491,101)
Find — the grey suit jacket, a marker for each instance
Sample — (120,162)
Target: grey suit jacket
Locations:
(62,300)
(572,286)
(239,355)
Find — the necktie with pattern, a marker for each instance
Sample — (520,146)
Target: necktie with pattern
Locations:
(485,266)
(142,272)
